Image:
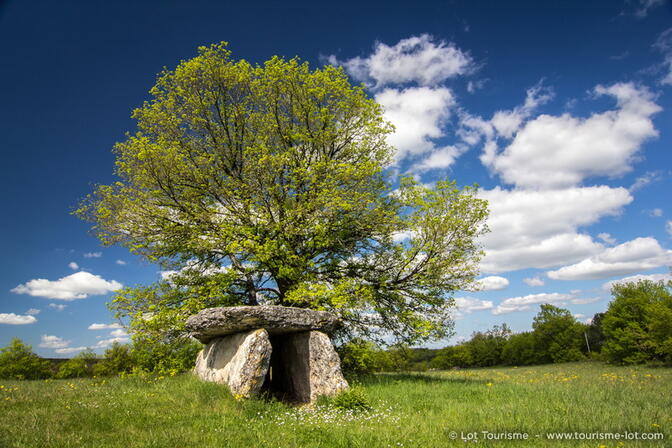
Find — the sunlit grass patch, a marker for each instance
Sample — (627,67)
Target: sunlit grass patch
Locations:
(410,410)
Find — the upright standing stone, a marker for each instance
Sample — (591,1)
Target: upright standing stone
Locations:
(240,361)
(305,366)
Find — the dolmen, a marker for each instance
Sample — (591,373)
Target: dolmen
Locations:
(281,350)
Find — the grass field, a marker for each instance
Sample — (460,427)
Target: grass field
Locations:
(436,409)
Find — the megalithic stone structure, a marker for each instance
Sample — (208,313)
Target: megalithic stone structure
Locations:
(239,360)
(283,350)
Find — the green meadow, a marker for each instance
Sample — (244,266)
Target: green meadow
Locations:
(492,407)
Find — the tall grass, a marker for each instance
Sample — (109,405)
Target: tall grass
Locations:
(410,410)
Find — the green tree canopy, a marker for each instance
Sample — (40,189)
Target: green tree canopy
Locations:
(559,337)
(521,349)
(267,184)
(78,367)
(18,362)
(486,347)
(638,324)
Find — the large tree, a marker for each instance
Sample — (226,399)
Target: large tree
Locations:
(558,336)
(267,184)
(637,326)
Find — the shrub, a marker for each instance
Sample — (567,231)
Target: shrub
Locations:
(165,358)
(73,368)
(80,366)
(360,357)
(353,399)
(400,357)
(421,358)
(452,356)
(117,360)
(17,361)
(486,347)
(521,350)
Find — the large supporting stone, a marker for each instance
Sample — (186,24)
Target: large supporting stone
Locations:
(240,361)
(304,366)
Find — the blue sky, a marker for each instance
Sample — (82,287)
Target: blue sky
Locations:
(559,110)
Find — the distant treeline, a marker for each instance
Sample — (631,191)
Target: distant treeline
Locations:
(636,328)
(17,361)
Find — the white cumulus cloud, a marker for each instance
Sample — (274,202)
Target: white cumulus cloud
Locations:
(417,59)
(539,229)
(491,283)
(534,281)
(440,158)
(607,238)
(585,301)
(540,222)
(633,256)
(58,306)
(107,342)
(418,114)
(16,319)
(503,123)
(33,311)
(561,151)
(72,265)
(166,275)
(635,278)
(118,333)
(68,350)
(105,326)
(79,285)
(646,179)
(525,303)
(467,306)
(48,341)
